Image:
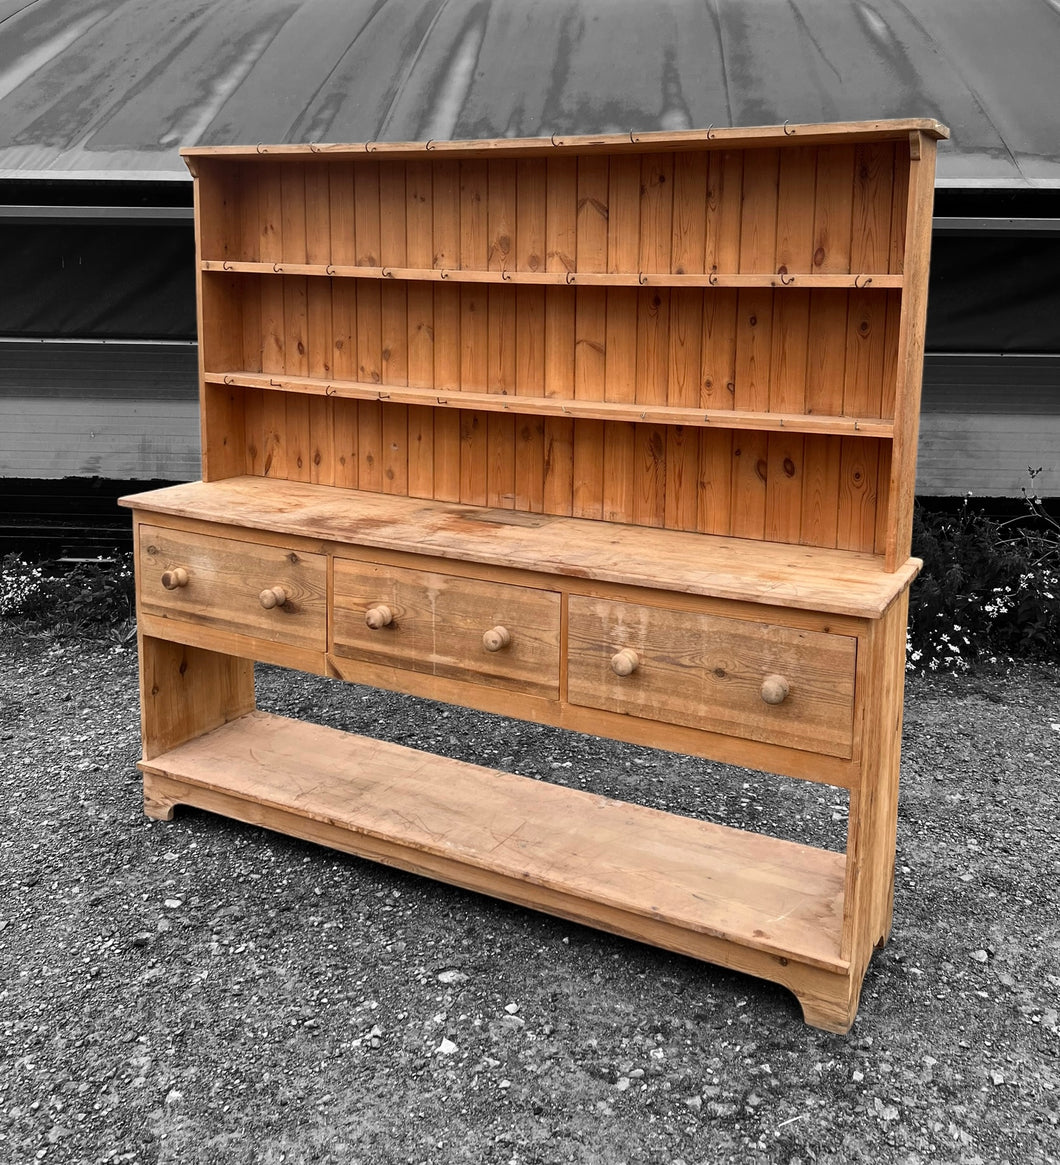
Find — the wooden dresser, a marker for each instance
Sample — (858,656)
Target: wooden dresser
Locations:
(616,434)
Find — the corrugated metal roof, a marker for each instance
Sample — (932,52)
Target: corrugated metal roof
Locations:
(113,87)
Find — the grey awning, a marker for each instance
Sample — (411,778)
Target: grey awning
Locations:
(111,88)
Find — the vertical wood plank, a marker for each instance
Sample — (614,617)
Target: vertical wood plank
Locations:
(531,212)
(559,382)
(250,217)
(758,220)
(750,472)
(826,352)
(714,501)
(392,207)
(445,193)
(395,332)
(656,212)
(344,421)
(623,213)
(870,241)
(474,329)
(341,213)
(620,384)
(420,342)
(319,324)
(859,464)
(254,428)
(446,255)
(784,478)
(754,344)
(820,491)
(593,176)
(890,353)
(685,357)
(317,213)
(724,206)
(788,361)
(682,478)
(366,213)
(561,215)
(866,347)
(883,489)
(447,358)
(718,374)
(419,214)
(530,381)
(395,434)
(795,209)
(501,379)
(688,248)
(370,445)
(590,334)
(899,210)
(369,332)
(292,178)
(502,207)
(833,209)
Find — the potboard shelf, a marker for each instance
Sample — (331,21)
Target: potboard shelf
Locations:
(805,280)
(606,862)
(560,406)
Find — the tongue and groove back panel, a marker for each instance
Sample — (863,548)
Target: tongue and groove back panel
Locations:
(757,293)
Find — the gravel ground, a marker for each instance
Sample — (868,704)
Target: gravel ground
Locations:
(202,991)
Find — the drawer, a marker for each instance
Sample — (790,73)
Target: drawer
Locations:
(754,680)
(232,586)
(435,623)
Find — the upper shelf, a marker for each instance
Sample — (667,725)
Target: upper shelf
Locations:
(561,278)
(809,133)
(840,582)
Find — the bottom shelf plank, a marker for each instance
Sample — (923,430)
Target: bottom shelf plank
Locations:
(768,907)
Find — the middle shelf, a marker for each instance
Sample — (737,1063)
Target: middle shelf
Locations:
(560,406)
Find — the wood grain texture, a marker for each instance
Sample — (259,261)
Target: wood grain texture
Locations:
(539,837)
(770,573)
(707,672)
(438,624)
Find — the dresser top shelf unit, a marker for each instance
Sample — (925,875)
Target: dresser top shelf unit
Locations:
(717,332)
(835,582)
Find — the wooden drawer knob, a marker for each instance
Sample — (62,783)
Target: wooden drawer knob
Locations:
(175,578)
(378,617)
(496,638)
(625,662)
(273,597)
(775,689)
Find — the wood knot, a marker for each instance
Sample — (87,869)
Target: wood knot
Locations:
(789,467)
(818,257)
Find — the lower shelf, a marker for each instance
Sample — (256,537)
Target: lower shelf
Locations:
(740,899)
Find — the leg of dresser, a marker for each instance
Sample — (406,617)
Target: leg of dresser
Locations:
(831,1002)
(869,895)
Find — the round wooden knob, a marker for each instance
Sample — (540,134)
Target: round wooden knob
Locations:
(273,597)
(496,638)
(775,689)
(175,578)
(625,662)
(377,617)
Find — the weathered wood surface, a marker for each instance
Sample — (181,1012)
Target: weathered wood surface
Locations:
(733,568)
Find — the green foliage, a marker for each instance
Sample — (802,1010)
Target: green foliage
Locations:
(83,598)
(989,590)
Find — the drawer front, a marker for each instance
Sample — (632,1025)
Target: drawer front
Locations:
(705,671)
(220,583)
(437,623)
